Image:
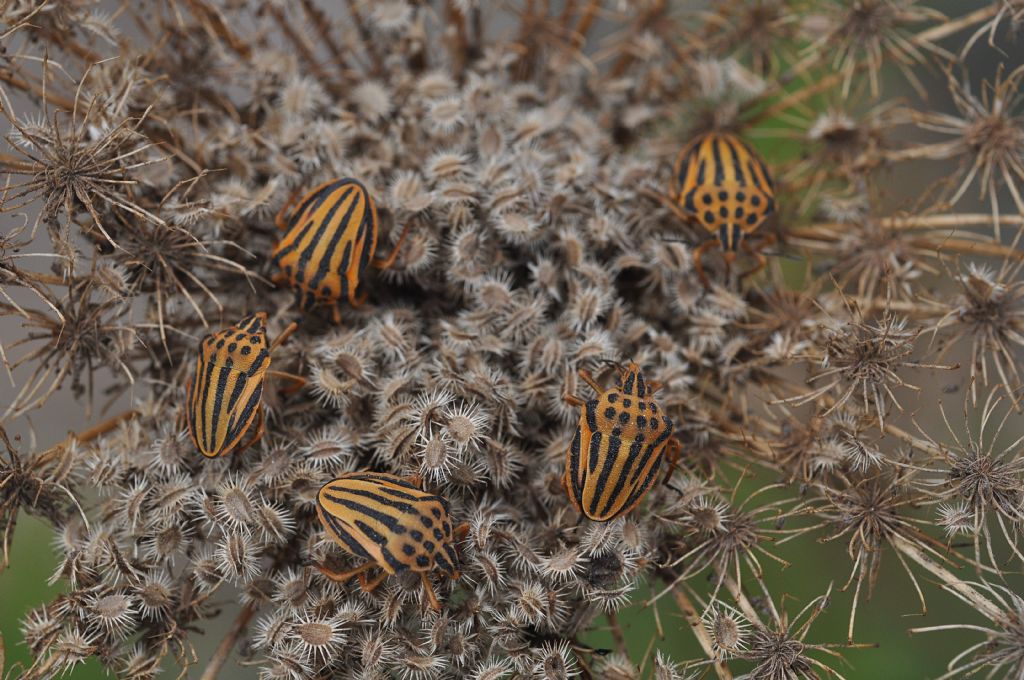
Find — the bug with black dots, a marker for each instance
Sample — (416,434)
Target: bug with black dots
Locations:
(618,448)
(331,237)
(224,396)
(393,524)
(723,185)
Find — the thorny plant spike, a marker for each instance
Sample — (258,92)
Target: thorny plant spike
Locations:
(156,143)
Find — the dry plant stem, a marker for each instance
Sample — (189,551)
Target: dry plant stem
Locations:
(948,579)
(318,18)
(212,18)
(228,643)
(617,635)
(301,46)
(736,591)
(940,31)
(32,88)
(692,617)
(921,222)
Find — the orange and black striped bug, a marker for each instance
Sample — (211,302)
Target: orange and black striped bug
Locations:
(723,185)
(331,237)
(391,523)
(224,395)
(618,448)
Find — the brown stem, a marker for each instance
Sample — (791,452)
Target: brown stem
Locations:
(693,618)
(36,89)
(940,31)
(228,643)
(948,578)
(617,636)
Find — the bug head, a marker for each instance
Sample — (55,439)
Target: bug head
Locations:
(254,323)
(631,381)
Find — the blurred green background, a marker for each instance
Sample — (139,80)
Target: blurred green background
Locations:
(884,620)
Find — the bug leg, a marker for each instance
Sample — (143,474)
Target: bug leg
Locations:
(104,427)
(697,255)
(355,300)
(298,382)
(182,412)
(762,262)
(386,262)
(280,221)
(460,532)
(336,314)
(590,381)
(260,431)
(370,585)
(279,279)
(284,335)
(342,576)
(672,453)
(434,604)
(667,202)
(414,479)
(573,400)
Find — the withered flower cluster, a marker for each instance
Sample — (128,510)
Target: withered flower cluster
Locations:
(525,145)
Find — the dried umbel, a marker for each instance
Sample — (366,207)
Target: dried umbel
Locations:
(527,179)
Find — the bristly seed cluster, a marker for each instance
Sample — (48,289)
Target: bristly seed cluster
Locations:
(529,152)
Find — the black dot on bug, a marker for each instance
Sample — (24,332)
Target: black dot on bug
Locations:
(723,195)
(723,211)
(624,417)
(246,351)
(755,201)
(612,398)
(626,403)
(709,216)
(409,549)
(654,424)
(422,561)
(447,529)
(641,422)
(232,347)
(416,534)
(609,412)
(739,212)
(616,432)
(427,522)
(642,405)
(707,199)
(438,535)
(740,196)
(436,512)
(654,408)
(220,343)
(429,546)
(751,219)
(240,336)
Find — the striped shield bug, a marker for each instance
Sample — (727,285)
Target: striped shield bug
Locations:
(618,447)
(224,395)
(331,236)
(393,524)
(723,185)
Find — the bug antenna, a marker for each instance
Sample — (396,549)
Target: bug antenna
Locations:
(611,362)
